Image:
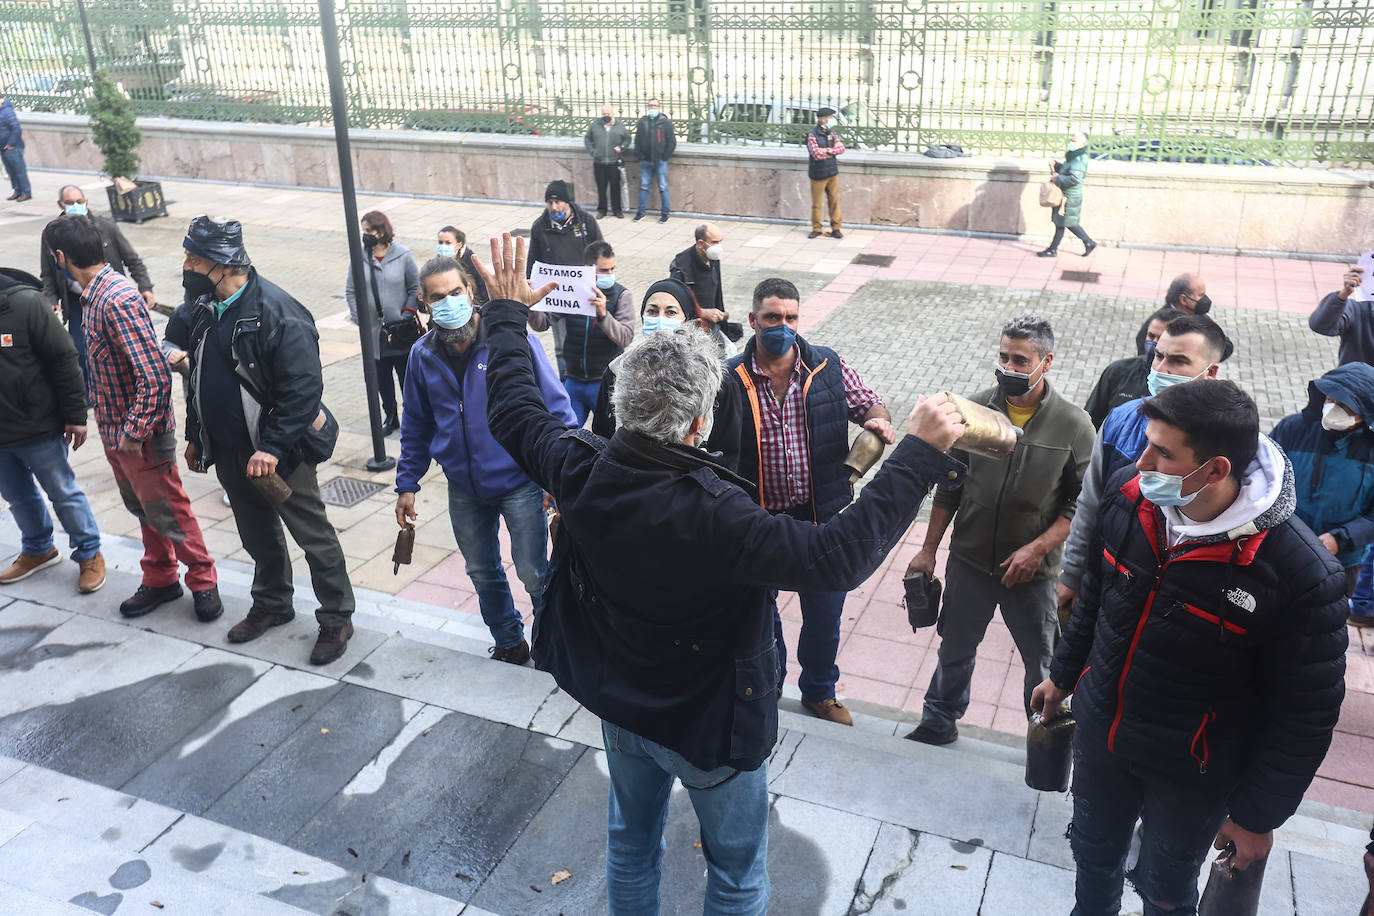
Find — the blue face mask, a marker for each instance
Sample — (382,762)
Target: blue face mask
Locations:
(653,325)
(605,281)
(1159,381)
(560,217)
(76,209)
(1150,350)
(778,339)
(446,251)
(452,311)
(1167,489)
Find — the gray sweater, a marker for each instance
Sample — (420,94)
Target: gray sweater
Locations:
(1352,321)
(398,283)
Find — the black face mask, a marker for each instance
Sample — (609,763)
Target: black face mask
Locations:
(605,119)
(1203,305)
(1013,385)
(370,240)
(197,285)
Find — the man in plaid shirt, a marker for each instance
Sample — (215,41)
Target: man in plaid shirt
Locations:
(822,146)
(801,399)
(131,392)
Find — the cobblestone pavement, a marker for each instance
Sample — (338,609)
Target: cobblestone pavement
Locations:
(926,321)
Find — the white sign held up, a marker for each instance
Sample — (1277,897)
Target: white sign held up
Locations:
(1366,291)
(574,293)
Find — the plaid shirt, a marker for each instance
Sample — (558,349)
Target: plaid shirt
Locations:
(835,148)
(785,461)
(130,384)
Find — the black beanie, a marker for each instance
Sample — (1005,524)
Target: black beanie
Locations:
(557,190)
(678,290)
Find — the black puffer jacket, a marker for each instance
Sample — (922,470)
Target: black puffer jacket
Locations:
(41,388)
(1220,662)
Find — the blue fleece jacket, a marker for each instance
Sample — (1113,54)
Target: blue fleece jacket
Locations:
(1332,470)
(445,420)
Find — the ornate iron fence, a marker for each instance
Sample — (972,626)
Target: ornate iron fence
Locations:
(1236,81)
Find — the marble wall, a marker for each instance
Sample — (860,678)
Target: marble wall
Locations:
(1227,208)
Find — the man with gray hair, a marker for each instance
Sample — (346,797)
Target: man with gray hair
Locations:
(657,613)
(1010,522)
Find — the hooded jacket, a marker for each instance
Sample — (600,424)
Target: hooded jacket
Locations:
(1212,653)
(565,242)
(654,138)
(1333,470)
(41,386)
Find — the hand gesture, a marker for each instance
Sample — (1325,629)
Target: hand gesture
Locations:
(936,421)
(1351,282)
(506,279)
(883,427)
(75,436)
(599,300)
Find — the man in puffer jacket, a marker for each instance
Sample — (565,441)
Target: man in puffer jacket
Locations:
(1206,654)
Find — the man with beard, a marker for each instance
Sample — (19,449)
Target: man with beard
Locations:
(447,384)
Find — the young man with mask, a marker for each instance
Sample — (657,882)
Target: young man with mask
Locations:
(1188,294)
(698,268)
(1010,520)
(61,290)
(797,400)
(590,343)
(561,235)
(654,145)
(606,139)
(448,384)
(822,146)
(253,410)
(453,243)
(1205,655)
(130,389)
(1126,379)
(1192,347)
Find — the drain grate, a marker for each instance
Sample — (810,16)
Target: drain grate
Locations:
(346,491)
(1081,276)
(874,260)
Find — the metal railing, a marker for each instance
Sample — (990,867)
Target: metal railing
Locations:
(1232,81)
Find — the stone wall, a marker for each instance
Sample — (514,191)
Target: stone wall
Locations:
(1230,209)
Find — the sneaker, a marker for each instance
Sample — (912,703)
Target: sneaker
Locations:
(1361,620)
(831,710)
(149,598)
(26,564)
(331,644)
(92,575)
(813,234)
(836,234)
(638,217)
(1047,253)
(208,605)
(517,654)
(927,735)
(663,218)
(258,622)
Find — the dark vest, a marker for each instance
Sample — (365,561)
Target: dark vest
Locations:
(820,169)
(827,423)
(586,348)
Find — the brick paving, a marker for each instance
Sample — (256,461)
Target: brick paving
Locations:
(927,322)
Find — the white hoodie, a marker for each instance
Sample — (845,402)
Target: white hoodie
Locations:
(1260,488)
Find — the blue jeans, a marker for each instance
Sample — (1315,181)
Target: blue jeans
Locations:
(19,173)
(660,169)
(475,528)
(817,644)
(1362,600)
(583,396)
(46,460)
(731,805)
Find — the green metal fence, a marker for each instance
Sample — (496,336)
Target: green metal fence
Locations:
(1238,81)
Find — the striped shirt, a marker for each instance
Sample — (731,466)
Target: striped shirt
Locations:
(130,385)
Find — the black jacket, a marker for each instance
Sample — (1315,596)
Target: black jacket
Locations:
(654,139)
(117,252)
(687,267)
(1220,662)
(277,355)
(1122,381)
(41,386)
(656,613)
(562,243)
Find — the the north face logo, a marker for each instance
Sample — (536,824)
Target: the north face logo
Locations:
(1241,599)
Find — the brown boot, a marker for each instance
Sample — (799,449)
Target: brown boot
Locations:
(331,644)
(259,622)
(831,710)
(92,575)
(27,564)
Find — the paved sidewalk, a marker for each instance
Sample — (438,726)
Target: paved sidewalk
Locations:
(926,321)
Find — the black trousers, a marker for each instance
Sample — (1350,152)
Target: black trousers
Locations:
(607,174)
(386,365)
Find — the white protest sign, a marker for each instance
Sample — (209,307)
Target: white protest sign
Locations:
(574,293)
(1366,291)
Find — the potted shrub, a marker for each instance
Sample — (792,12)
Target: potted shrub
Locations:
(114,131)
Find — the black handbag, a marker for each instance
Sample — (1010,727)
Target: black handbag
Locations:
(394,337)
(922,600)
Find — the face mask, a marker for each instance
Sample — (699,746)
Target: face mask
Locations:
(1203,305)
(713,252)
(1337,419)
(778,339)
(606,119)
(1167,489)
(1150,350)
(1158,381)
(447,251)
(75,209)
(1014,384)
(196,284)
(653,113)
(653,325)
(452,311)
(559,217)
(827,124)
(370,240)
(605,281)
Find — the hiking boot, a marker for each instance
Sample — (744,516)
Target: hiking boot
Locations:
(92,575)
(26,564)
(1088,248)
(149,598)
(259,622)
(208,605)
(331,644)
(927,735)
(517,654)
(831,710)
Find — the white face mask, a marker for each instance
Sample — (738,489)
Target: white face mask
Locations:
(1337,419)
(713,252)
